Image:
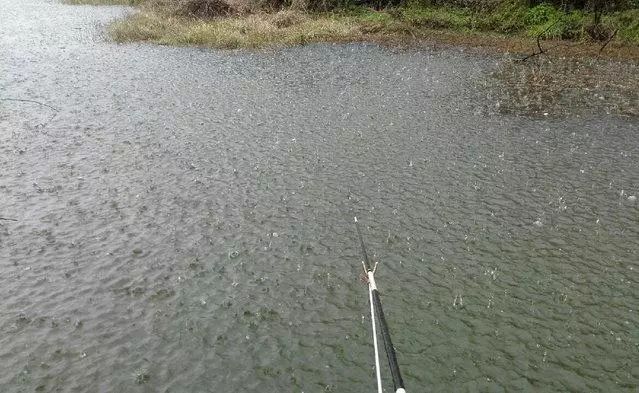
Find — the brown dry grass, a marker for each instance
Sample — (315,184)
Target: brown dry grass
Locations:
(246,31)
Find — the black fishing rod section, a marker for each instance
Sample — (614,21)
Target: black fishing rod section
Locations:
(398,382)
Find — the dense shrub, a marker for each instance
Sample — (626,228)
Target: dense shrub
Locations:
(549,22)
(626,22)
(603,5)
(203,8)
(472,4)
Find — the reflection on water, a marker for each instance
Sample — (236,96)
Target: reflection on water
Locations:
(184,223)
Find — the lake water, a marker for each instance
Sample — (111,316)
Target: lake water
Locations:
(184,220)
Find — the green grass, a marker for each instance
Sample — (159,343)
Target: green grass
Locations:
(440,18)
(628,24)
(288,27)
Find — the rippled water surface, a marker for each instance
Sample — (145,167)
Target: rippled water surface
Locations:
(184,220)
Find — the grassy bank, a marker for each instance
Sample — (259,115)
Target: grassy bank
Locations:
(506,24)
(247,31)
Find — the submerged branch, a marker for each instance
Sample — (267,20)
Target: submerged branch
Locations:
(54,109)
(31,101)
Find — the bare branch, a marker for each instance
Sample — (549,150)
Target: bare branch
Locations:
(31,101)
(541,50)
(612,36)
(54,109)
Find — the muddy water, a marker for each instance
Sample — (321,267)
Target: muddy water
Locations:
(183,220)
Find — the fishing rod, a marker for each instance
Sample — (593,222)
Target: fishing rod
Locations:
(376,309)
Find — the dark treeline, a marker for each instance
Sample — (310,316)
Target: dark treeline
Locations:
(325,5)
(568,5)
(214,6)
(588,4)
(565,5)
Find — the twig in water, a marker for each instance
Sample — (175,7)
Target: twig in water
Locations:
(54,109)
(31,101)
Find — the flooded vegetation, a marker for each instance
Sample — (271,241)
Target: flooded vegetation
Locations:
(553,86)
(180,219)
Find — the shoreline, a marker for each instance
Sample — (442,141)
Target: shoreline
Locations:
(401,27)
(570,77)
(290,28)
